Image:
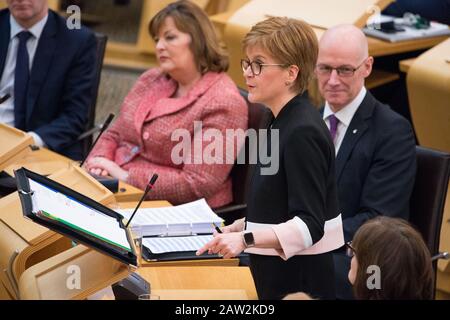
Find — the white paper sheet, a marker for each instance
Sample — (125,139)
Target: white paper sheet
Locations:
(191,218)
(78,215)
(175,244)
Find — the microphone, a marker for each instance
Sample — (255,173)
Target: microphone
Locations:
(441,255)
(147,190)
(103,129)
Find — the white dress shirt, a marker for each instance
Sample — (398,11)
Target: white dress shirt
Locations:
(345,116)
(7,78)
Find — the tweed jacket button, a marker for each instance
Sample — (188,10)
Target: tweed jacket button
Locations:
(146,135)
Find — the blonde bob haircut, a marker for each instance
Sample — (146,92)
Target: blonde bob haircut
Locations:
(190,18)
(289,41)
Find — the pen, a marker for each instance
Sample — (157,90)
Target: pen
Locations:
(217,228)
(6,97)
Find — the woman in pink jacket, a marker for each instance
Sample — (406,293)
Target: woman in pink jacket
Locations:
(189,93)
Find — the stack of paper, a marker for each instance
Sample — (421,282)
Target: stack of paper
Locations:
(187,219)
(159,245)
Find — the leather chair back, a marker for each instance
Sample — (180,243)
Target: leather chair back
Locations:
(100,54)
(429,193)
(428,197)
(259,117)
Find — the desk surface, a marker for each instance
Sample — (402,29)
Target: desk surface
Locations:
(209,283)
(406,64)
(45,162)
(379,47)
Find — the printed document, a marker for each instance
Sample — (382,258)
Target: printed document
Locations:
(63,209)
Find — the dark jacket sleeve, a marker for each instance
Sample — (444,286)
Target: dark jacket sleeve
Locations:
(76,98)
(390,180)
(306,159)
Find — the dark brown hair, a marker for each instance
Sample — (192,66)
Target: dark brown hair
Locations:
(402,256)
(190,18)
(289,41)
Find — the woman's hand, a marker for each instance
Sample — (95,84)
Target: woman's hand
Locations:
(236,226)
(228,245)
(102,167)
(91,167)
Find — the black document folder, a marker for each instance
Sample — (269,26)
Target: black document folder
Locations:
(123,250)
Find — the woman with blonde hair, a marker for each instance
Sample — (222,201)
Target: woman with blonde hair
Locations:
(292,220)
(189,90)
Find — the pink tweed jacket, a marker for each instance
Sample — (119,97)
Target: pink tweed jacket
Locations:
(140,139)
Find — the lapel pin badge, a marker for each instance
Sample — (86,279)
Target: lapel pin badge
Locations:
(355,131)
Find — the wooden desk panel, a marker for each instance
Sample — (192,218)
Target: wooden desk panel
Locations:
(14,145)
(127,192)
(404,65)
(206,282)
(144,204)
(46,162)
(380,77)
(42,161)
(378,48)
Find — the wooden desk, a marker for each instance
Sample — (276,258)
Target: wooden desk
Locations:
(42,161)
(406,64)
(378,48)
(46,162)
(145,204)
(52,4)
(127,192)
(14,145)
(380,77)
(193,283)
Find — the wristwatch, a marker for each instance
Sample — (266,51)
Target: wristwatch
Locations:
(249,240)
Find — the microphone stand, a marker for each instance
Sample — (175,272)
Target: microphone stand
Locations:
(147,190)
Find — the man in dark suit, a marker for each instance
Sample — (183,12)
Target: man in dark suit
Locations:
(47,69)
(375,147)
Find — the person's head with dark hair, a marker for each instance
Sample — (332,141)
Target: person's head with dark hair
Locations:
(180,26)
(395,249)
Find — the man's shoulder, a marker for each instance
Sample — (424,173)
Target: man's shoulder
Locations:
(383,116)
(391,118)
(67,32)
(4,14)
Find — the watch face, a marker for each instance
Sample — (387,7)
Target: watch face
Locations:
(249,240)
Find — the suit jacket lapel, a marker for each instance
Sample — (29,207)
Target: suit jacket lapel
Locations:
(42,61)
(355,131)
(4,41)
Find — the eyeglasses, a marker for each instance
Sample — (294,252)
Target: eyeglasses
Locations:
(349,250)
(256,66)
(342,71)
